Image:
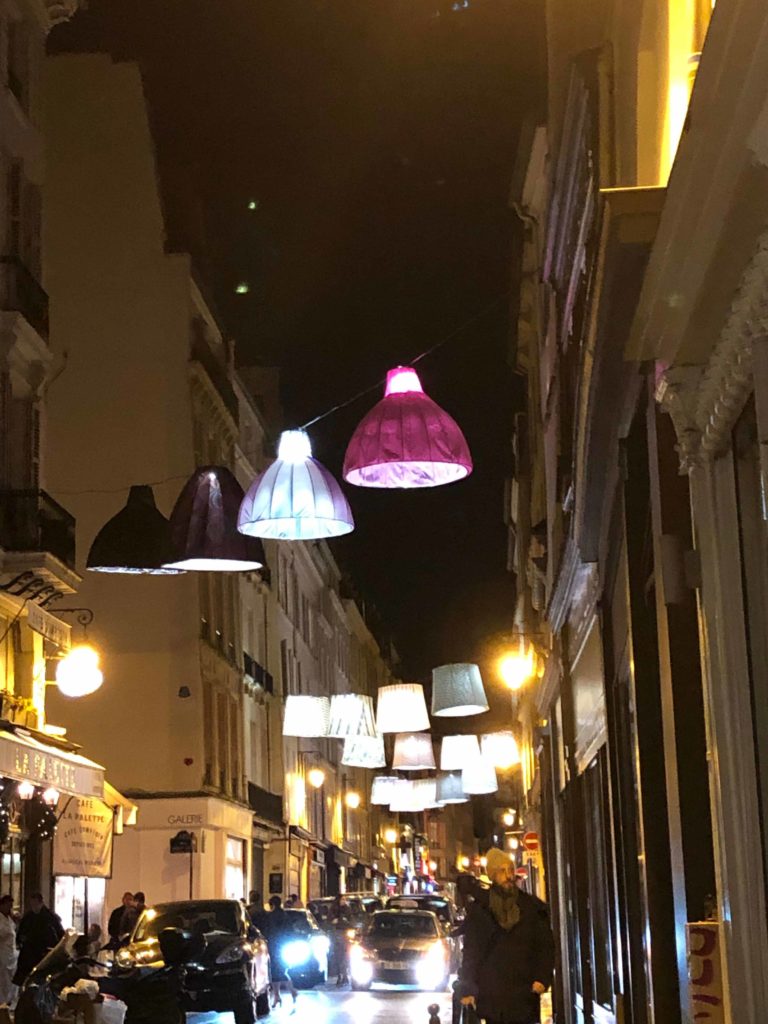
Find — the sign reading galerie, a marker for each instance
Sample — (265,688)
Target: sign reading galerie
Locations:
(83,843)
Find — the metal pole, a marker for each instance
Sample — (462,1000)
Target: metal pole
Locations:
(191,862)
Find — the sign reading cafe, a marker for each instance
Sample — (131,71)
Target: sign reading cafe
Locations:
(83,842)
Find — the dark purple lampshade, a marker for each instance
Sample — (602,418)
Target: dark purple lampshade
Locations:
(136,541)
(204,531)
(406,440)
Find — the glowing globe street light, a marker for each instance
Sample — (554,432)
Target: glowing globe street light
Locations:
(78,673)
(517,666)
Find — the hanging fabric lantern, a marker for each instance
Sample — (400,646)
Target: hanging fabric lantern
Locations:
(500,749)
(136,541)
(295,498)
(450,789)
(351,715)
(457,691)
(364,752)
(406,440)
(425,792)
(306,716)
(413,752)
(401,708)
(381,789)
(479,776)
(204,530)
(404,798)
(456,751)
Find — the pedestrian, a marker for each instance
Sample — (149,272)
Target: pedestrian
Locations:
(255,908)
(277,927)
(40,929)
(132,913)
(508,956)
(340,921)
(8,954)
(115,920)
(296,903)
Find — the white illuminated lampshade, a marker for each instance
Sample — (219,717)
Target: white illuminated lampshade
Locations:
(364,752)
(51,796)
(478,777)
(500,748)
(404,798)
(306,716)
(425,791)
(26,790)
(413,752)
(402,708)
(382,788)
(458,751)
(450,789)
(296,498)
(457,691)
(78,673)
(351,715)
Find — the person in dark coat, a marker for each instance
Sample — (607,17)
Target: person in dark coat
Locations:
(116,917)
(509,949)
(39,930)
(277,927)
(132,913)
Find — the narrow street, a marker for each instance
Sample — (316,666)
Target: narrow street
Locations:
(385,1005)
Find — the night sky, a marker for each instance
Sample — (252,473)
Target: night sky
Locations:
(377,140)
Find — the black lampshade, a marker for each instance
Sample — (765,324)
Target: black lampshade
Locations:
(137,540)
(204,531)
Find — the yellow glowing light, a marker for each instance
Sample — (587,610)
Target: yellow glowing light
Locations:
(150,913)
(316,777)
(353,800)
(390,836)
(464,862)
(483,862)
(514,843)
(509,817)
(26,790)
(433,866)
(517,666)
(78,672)
(51,796)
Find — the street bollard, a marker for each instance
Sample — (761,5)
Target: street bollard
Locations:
(434,1014)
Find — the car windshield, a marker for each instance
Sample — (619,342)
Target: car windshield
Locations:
(301,923)
(403,926)
(201,918)
(440,907)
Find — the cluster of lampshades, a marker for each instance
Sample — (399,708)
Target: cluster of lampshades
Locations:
(405,441)
(468,764)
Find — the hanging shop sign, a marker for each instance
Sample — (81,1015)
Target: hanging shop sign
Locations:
(49,626)
(83,842)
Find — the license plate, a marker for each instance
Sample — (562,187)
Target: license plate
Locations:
(395,965)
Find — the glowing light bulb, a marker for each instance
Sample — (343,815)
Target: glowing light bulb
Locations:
(516,667)
(509,817)
(294,447)
(26,790)
(353,800)
(242,288)
(51,796)
(78,672)
(390,836)
(316,777)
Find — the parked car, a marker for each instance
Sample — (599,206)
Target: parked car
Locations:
(304,950)
(402,947)
(231,973)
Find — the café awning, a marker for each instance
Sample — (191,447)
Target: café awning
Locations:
(28,759)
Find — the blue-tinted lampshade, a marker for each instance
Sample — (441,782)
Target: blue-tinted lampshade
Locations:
(204,530)
(450,789)
(136,541)
(457,691)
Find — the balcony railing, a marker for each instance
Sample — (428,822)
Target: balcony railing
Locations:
(33,521)
(22,293)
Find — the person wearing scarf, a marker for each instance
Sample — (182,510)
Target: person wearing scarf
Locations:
(508,955)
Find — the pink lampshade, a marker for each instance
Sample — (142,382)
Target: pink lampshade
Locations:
(406,440)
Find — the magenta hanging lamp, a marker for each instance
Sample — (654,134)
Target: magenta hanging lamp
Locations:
(406,440)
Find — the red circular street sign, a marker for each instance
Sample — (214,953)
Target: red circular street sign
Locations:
(531,842)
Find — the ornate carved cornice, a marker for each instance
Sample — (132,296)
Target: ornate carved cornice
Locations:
(705,401)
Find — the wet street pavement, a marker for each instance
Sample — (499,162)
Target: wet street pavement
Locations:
(380,1006)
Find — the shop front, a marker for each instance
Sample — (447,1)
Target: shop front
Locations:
(193,847)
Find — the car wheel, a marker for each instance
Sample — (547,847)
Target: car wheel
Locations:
(262,1004)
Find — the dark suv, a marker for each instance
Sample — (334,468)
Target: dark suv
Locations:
(232,973)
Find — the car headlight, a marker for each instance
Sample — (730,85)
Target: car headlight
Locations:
(320,944)
(230,955)
(296,953)
(124,958)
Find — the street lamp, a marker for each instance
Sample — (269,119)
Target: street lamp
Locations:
(78,672)
(390,836)
(518,665)
(509,817)
(316,777)
(352,800)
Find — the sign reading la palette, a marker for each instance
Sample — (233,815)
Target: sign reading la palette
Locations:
(24,759)
(83,842)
